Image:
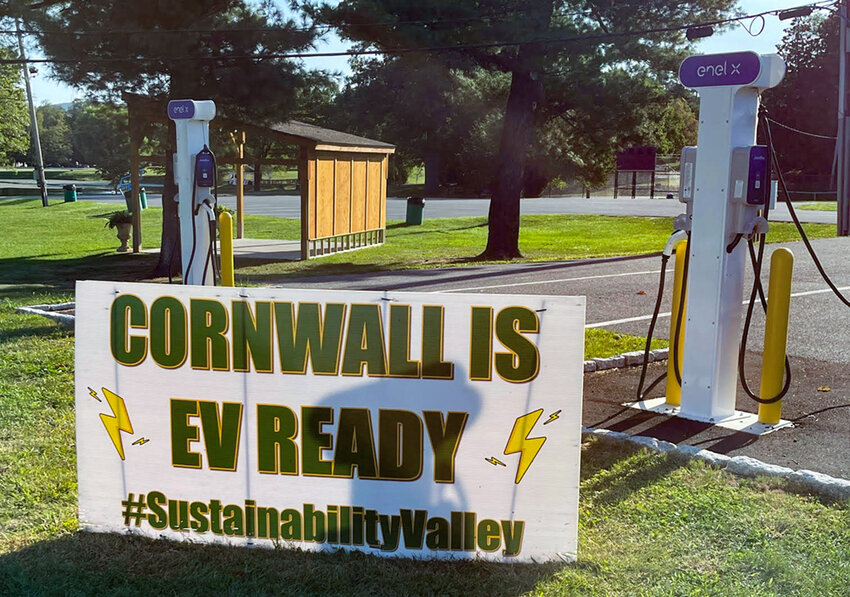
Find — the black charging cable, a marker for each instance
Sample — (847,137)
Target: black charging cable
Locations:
(792,211)
(641,393)
(758,289)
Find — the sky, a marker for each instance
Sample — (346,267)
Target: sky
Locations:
(46,90)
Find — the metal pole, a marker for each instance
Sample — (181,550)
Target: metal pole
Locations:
(240,185)
(842,143)
(36,142)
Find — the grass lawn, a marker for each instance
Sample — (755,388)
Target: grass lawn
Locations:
(449,242)
(818,206)
(52,173)
(649,524)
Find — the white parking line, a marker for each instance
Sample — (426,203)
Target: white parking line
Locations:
(551,281)
(603,324)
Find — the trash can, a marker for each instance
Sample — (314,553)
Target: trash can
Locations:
(415,210)
(143,198)
(128,199)
(70,193)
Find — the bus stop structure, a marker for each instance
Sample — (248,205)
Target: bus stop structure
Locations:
(342,177)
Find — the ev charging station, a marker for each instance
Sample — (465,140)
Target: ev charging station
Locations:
(194,173)
(725,185)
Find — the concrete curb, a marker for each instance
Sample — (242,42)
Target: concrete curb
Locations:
(743,466)
(50,311)
(627,359)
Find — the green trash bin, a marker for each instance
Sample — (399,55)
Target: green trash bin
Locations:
(415,211)
(70,191)
(143,199)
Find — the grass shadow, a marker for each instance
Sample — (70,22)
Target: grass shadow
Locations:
(102,564)
(63,273)
(9,335)
(610,483)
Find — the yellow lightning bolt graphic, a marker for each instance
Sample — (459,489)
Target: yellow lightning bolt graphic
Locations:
(553,417)
(118,421)
(528,447)
(94,395)
(495,461)
(141,441)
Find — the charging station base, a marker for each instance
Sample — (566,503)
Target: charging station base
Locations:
(739,421)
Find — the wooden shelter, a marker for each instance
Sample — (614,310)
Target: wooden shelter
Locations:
(342,178)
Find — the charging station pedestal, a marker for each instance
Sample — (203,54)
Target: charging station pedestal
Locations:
(192,119)
(720,190)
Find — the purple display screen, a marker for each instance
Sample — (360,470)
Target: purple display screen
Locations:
(713,70)
(178,109)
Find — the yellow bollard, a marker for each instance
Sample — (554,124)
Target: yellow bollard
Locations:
(775,334)
(225,227)
(673,392)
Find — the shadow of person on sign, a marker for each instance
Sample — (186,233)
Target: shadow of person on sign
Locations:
(395,443)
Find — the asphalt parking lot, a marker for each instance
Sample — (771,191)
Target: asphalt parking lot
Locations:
(620,296)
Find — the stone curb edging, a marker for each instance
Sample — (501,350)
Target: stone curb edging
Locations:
(627,359)
(50,311)
(743,466)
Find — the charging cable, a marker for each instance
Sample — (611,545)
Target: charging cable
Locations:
(674,240)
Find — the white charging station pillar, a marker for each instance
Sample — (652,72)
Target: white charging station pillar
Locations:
(192,119)
(729,86)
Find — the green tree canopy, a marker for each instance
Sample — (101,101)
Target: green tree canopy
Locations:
(561,57)
(222,50)
(807,98)
(14,117)
(55,135)
(100,137)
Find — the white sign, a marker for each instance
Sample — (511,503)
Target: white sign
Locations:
(421,425)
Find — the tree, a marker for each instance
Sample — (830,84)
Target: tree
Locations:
(548,78)
(808,95)
(100,137)
(217,49)
(55,134)
(433,113)
(669,126)
(14,118)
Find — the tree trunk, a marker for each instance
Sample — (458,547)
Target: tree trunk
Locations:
(258,177)
(169,263)
(503,237)
(432,173)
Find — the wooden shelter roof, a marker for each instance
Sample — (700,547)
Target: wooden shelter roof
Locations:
(330,140)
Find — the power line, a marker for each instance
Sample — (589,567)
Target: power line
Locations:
(279,29)
(822,4)
(392,51)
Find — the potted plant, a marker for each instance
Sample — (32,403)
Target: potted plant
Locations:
(123,221)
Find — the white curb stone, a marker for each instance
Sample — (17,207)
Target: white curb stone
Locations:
(743,466)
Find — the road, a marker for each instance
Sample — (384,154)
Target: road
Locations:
(289,206)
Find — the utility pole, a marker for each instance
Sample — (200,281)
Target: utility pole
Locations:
(36,141)
(842,142)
